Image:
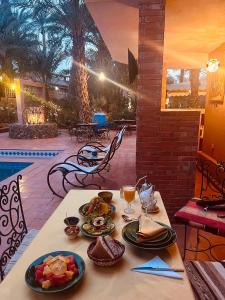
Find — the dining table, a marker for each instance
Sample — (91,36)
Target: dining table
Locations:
(100,283)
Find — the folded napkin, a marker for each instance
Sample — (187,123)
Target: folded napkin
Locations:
(149,229)
(158,264)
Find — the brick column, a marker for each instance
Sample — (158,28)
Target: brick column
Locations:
(151,40)
(166,140)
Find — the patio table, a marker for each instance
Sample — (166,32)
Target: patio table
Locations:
(100,283)
(84,131)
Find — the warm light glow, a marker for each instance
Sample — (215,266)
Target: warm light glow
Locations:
(212,65)
(56,88)
(101,76)
(35,115)
(13,86)
(1,78)
(123,87)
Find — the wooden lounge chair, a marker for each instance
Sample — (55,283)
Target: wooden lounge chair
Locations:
(14,236)
(73,167)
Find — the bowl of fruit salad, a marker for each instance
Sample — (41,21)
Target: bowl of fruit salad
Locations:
(55,272)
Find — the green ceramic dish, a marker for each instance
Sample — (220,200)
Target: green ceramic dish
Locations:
(149,247)
(111,212)
(88,234)
(30,273)
(161,242)
(132,228)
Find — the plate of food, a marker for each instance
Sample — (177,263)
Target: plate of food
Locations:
(98,226)
(151,235)
(97,207)
(55,272)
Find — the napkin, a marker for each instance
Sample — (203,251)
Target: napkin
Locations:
(149,229)
(156,262)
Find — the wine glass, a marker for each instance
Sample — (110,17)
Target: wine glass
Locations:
(128,193)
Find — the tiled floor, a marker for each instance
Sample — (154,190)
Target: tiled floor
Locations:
(38,201)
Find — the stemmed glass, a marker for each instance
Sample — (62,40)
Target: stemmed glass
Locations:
(128,193)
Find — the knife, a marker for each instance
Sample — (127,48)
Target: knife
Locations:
(158,269)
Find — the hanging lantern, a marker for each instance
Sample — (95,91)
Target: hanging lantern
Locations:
(213,65)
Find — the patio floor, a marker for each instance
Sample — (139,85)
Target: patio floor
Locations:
(38,201)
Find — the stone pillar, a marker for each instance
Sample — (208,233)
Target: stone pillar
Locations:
(19,99)
(150,60)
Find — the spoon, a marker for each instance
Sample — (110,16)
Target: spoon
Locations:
(127,219)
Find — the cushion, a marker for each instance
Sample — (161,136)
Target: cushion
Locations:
(207,279)
(25,243)
(94,149)
(194,215)
(71,166)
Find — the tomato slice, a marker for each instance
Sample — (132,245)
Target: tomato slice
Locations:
(40,267)
(72,267)
(71,259)
(58,279)
(38,275)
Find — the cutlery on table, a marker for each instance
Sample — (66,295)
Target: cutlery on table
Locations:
(159,269)
(128,219)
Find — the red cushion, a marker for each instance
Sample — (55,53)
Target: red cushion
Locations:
(194,214)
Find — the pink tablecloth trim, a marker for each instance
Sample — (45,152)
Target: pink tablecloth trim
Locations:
(192,212)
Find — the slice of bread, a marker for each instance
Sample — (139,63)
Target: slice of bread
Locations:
(101,249)
(112,245)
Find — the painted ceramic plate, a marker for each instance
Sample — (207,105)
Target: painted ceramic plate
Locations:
(161,242)
(111,212)
(30,273)
(98,232)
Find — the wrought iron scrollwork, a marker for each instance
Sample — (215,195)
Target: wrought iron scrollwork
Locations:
(12,222)
(213,178)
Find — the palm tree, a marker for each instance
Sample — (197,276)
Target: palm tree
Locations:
(44,63)
(15,40)
(71,23)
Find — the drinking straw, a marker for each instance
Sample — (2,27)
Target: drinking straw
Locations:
(140,180)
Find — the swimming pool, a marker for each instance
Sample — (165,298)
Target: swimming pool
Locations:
(7,169)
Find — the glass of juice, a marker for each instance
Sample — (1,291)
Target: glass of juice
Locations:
(129,196)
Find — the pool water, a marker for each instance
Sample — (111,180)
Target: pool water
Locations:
(8,169)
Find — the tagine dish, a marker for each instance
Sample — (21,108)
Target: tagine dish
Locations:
(96,207)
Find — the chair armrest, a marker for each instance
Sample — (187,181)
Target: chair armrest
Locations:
(74,155)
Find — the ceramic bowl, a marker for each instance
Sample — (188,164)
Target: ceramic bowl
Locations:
(72,231)
(71,221)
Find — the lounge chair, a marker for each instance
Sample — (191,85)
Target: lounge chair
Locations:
(73,167)
(98,147)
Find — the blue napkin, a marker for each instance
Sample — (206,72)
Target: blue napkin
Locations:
(156,262)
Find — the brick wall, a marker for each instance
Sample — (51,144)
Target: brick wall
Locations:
(166,140)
